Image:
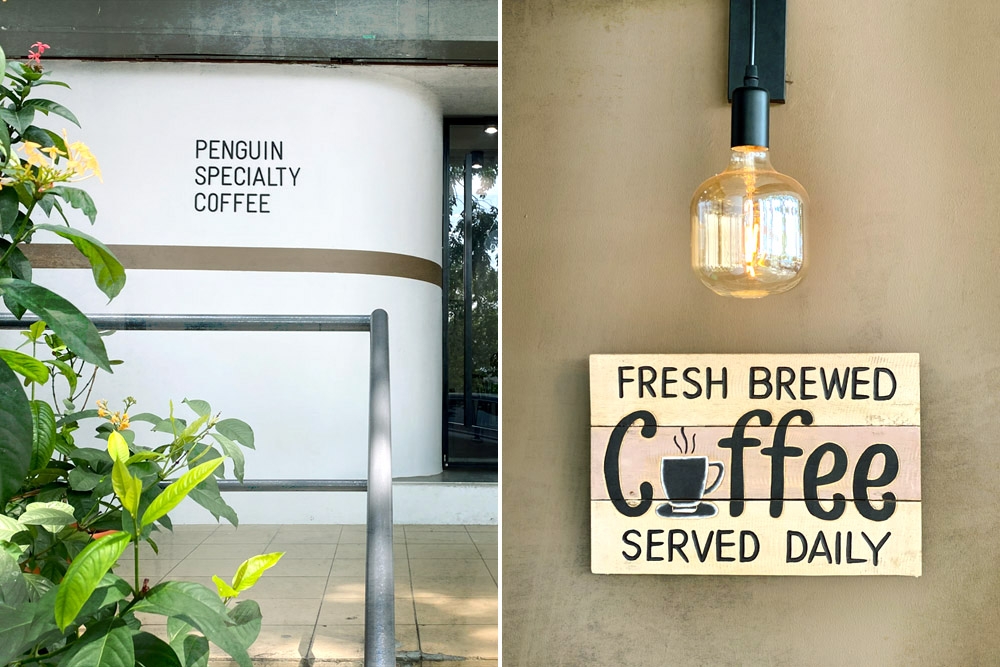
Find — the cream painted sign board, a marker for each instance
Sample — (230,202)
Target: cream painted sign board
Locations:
(755,464)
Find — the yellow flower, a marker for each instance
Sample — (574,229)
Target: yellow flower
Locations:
(52,151)
(32,154)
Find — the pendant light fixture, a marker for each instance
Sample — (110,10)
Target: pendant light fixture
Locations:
(748,222)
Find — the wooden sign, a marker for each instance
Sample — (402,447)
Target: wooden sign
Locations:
(755,464)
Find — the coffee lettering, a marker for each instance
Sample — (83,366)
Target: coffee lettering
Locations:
(665,377)
(720,545)
(804,382)
(626,540)
(764,379)
(650,543)
(674,545)
(612,474)
(688,372)
(647,384)
(855,381)
(811,482)
(862,483)
(785,376)
(744,557)
(778,452)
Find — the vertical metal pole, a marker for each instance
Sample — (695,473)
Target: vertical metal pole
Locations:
(467,219)
(380,621)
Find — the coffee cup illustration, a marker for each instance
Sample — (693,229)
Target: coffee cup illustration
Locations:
(685,483)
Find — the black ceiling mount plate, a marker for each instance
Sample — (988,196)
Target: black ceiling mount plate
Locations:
(770,45)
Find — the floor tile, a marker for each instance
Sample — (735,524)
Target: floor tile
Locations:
(359,549)
(494,567)
(454,586)
(301,567)
(456,611)
(435,550)
(352,612)
(484,538)
(353,588)
(242,535)
(288,642)
(287,587)
(488,550)
(167,551)
(469,641)
(438,537)
(359,535)
(433,527)
(296,550)
(334,642)
(184,535)
(447,566)
(350,567)
(287,611)
(491,528)
(310,534)
(206,567)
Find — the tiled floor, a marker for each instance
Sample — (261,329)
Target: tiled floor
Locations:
(312,601)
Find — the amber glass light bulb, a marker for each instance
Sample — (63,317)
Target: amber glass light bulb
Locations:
(748,228)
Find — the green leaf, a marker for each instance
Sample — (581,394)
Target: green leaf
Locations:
(196,652)
(176,492)
(48,106)
(67,372)
(84,573)
(117,447)
(84,480)
(96,459)
(15,434)
(144,455)
(63,318)
(109,649)
(18,264)
(247,619)
(18,119)
(51,516)
(207,495)
(43,434)
(108,271)
(251,569)
(78,199)
(225,590)
(234,452)
(127,488)
(9,528)
(26,365)
(201,408)
(193,427)
(201,608)
(237,430)
(5,141)
(151,651)
(9,202)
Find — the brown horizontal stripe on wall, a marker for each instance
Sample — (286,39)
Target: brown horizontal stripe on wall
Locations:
(219,258)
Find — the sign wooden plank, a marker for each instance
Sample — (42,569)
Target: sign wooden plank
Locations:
(754,543)
(755,464)
(640,459)
(715,390)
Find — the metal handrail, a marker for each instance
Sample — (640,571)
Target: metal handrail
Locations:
(380,621)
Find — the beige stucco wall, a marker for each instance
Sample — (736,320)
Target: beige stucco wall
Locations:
(613,112)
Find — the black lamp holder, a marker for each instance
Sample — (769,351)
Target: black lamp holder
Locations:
(756,66)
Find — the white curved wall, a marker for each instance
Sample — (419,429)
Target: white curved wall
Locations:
(368,151)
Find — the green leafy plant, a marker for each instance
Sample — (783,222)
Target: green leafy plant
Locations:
(68,512)
(38,170)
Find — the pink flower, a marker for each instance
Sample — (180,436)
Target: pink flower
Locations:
(36,56)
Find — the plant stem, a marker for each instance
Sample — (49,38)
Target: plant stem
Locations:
(135,558)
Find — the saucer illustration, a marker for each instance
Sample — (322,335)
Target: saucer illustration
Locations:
(702,511)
